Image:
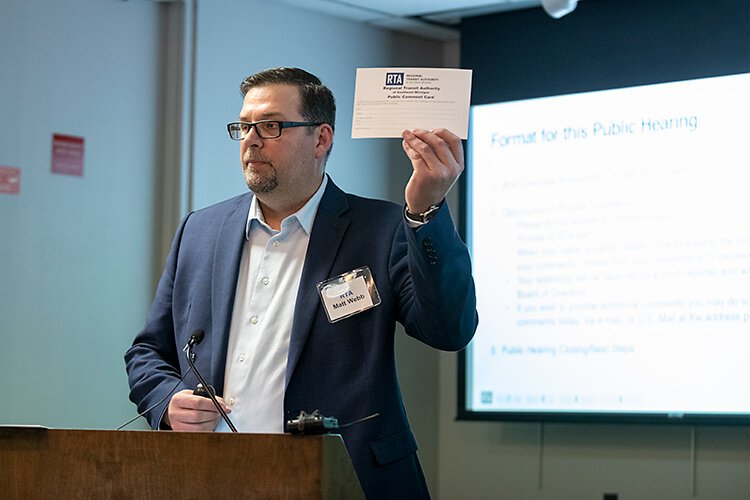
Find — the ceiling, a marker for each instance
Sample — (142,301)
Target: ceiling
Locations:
(435,19)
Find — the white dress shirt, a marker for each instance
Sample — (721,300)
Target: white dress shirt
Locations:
(261,327)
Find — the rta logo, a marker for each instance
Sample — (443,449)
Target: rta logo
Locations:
(394,78)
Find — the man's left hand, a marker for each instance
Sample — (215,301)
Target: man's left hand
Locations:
(437,157)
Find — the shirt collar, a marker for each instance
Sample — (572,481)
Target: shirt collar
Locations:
(305,215)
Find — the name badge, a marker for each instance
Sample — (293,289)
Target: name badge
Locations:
(348,294)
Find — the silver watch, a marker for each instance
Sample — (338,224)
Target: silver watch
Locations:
(423,217)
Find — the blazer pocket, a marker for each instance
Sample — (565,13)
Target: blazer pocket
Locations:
(394,447)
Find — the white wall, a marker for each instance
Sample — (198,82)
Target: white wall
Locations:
(75,252)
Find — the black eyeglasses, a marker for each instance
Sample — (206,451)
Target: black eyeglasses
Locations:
(266,129)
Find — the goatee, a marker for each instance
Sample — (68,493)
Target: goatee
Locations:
(260,180)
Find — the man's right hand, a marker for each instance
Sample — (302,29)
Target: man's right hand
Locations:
(187,412)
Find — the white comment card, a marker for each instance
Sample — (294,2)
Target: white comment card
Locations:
(390,100)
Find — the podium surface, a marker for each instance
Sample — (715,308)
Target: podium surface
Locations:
(37,462)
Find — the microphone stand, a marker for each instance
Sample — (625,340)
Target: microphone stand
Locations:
(191,361)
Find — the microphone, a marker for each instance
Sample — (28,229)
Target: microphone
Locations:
(315,423)
(196,338)
(312,423)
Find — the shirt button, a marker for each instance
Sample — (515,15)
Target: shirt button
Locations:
(266,280)
(276,243)
(254,320)
(230,401)
(242,358)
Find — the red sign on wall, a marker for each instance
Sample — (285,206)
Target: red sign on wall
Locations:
(67,154)
(10,180)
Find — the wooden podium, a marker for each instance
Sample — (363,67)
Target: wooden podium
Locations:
(37,462)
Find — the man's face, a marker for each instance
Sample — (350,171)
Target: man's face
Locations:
(288,166)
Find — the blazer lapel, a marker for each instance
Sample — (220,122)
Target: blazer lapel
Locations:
(327,232)
(226,267)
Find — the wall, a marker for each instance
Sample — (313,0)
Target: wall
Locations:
(75,252)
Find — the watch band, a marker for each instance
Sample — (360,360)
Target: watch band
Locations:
(423,217)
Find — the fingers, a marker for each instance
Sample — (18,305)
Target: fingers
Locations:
(187,412)
(438,149)
(223,404)
(454,143)
(437,157)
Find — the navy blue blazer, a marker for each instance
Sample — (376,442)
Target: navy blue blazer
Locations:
(346,369)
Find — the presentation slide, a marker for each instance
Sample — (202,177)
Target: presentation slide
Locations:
(610,239)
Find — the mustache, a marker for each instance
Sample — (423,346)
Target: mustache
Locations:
(248,157)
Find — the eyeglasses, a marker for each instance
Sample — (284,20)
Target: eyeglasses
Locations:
(266,129)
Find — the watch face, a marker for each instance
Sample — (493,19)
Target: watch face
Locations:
(430,213)
(424,216)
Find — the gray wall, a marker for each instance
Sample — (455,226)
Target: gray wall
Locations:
(75,252)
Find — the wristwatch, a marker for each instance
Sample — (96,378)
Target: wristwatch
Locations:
(424,217)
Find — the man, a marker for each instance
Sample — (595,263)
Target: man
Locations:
(261,274)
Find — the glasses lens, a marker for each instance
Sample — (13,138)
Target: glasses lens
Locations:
(268,130)
(235,131)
